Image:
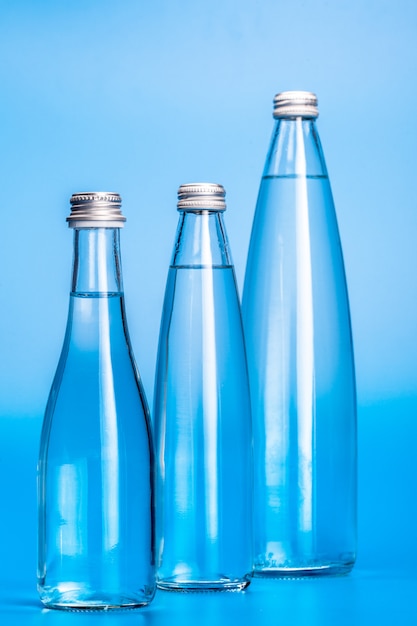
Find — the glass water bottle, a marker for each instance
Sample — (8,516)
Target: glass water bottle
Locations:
(202,409)
(96,465)
(300,359)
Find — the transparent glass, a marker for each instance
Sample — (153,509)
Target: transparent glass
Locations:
(202,418)
(96,465)
(301,368)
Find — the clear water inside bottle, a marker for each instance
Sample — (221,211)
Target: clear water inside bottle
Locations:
(95,469)
(297,324)
(202,420)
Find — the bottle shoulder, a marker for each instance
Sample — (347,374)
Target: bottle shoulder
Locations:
(201,240)
(96,371)
(295,150)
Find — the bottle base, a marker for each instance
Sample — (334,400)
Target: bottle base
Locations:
(328,569)
(178,584)
(74,600)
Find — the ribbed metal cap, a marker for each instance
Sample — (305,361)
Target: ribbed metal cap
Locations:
(201,196)
(295,104)
(96,209)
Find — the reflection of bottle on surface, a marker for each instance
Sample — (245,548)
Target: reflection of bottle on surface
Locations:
(202,409)
(300,358)
(96,532)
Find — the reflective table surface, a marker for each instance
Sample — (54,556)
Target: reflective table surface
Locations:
(382,588)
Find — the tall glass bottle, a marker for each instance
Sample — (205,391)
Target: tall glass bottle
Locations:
(96,465)
(300,359)
(202,409)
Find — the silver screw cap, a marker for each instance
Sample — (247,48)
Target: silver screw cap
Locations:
(201,196)
(295,104)
(95,209)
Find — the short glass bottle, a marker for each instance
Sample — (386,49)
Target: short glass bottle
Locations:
(300,357)
(202,409)
(96,463)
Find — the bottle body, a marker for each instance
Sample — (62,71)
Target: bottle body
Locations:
(202,419)
(96,465)
(300,358)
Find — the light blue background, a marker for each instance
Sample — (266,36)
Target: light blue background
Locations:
(138,97)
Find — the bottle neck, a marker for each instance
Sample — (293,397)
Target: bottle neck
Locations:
(295,150)
(96,266)
(201,240)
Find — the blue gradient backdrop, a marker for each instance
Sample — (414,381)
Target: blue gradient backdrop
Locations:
(139,97)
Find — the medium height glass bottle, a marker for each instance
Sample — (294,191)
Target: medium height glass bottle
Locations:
(96,466)
(300,358)
(202,409)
